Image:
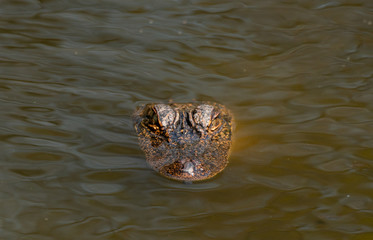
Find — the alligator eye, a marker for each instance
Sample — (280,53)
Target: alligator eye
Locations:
(151,121)
(215,124)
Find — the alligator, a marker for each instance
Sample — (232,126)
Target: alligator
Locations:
(185,141)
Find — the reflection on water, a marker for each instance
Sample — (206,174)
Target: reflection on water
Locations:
(298,77)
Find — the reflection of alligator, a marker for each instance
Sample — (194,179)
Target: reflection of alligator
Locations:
(185,141)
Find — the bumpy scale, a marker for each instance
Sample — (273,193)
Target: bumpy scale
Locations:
(185,141)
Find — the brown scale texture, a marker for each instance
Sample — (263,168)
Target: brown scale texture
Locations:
(185,141)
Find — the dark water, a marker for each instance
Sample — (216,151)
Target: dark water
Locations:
(298,76)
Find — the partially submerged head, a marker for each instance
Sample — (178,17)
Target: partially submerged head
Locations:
(185,141)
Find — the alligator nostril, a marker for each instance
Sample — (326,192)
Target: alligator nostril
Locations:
(189,168)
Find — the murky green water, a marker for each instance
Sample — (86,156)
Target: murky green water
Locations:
(298,77)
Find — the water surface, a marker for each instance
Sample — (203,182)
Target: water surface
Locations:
(296,75)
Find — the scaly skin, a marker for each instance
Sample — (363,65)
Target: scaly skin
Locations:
(185,141)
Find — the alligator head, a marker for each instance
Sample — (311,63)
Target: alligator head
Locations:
(185,141)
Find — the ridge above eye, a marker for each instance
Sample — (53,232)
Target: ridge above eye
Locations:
(166,115)
(203,115)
